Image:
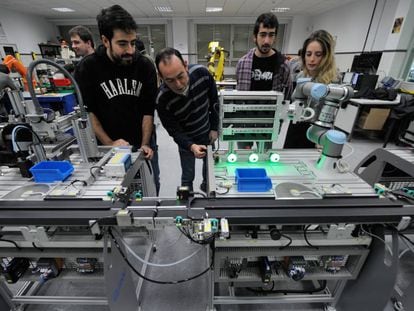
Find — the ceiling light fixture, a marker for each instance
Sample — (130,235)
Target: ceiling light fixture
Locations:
(213,9)
(63,10)
(164,9)
(279,10)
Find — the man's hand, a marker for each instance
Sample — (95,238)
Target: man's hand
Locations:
(147,151)
(120,142)
(198,150)
(212,136)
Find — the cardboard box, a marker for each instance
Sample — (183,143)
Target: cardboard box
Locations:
(374,119)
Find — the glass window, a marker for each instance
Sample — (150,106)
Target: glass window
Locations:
(158,37)
(208,33)
(143,35)
(237,39)
(243,40)
(153,36)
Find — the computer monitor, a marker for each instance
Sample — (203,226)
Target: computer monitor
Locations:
(367,62)
(347,79)
(365,81)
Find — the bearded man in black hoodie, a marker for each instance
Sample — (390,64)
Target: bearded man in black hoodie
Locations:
(119,86)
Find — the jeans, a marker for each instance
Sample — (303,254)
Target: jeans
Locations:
(187,160)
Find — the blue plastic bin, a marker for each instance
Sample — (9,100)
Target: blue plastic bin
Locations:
(50,171)
(252,180)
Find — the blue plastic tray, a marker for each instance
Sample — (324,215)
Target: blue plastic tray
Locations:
(252,180)
(50,171)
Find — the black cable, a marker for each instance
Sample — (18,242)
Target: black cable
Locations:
(225,192)
(38,139)
(402,195)
(12,242)
(36,247)
(399,232)
(406,238)
(157,281)
(75,181)
(288,244)
(149,166)
(306,237)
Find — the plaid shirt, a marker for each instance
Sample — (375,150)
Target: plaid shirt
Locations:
(282,80)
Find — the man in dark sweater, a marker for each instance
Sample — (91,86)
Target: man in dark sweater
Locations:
(187,104)
(119,85)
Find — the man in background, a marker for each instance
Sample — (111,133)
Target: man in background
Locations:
(264,68)
(82,41)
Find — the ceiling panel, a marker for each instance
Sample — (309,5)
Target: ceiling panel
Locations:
(197,7)
(182,8)
(249,7)
(232,6)
(215,3)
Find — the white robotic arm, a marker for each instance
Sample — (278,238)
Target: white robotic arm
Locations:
(322,132)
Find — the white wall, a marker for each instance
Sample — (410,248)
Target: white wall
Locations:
(299,29)
(397,45)
(180,35)
(26,31)
(349,29)
(350,24)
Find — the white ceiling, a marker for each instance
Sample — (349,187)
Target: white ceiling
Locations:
(85,9)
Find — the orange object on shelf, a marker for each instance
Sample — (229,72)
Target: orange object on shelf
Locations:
(14,64)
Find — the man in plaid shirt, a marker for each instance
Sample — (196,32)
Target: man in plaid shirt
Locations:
(263,68)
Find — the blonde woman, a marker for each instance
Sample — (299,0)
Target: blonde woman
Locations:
(318,64)
(318,58)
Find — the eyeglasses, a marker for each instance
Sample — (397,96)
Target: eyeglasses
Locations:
(267,34)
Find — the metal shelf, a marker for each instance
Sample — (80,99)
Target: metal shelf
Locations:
(252,274)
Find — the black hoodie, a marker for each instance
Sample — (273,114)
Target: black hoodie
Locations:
(118,95)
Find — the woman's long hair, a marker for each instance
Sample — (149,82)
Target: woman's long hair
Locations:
(326,72)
